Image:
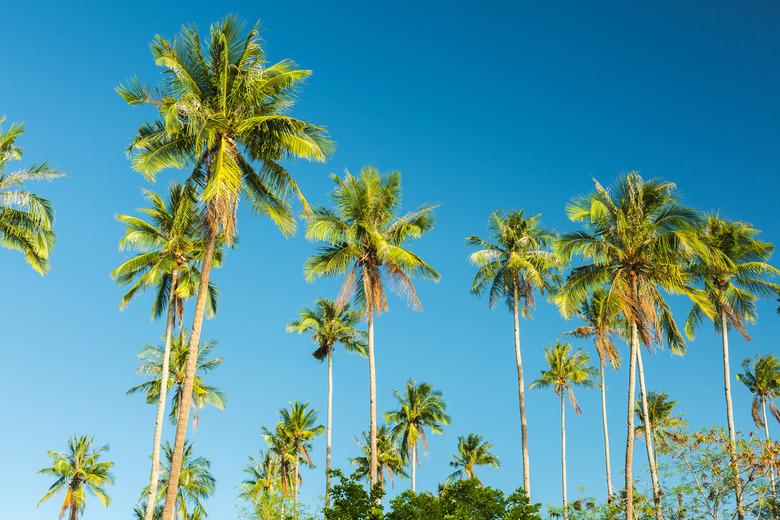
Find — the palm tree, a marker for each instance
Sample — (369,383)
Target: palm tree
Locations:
(169,247)
(280,447)
(733,275)
(195,485)
(602,321)
(565,370)
(663,422)
(25,217)
(513,264)
(263,476)
(364,239)
(762,378)
(152,361)
(420,407)
(390,461)
(77,471)
(222,112)
(636,237)
(297,426)
(473,451)
(329,324)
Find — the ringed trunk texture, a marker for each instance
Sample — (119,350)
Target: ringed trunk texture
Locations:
(169,510)
(521,397)
(151,498)
(630,423)
(730,414)
(563,460)
(414,468)
(605,427)
(649,438)
(372,399)
(329,433)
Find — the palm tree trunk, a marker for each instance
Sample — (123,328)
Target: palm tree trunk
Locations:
(329,433)
(606,435)
(372,399)
(651,460)
(521,397)
(768,439)
(151,498)
(74,512)
(730,414)
(630,422)
(414,466)
(563,460)
(295,487)
(184,406)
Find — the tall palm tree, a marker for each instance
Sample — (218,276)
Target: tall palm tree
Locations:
(663,422)
(78,471)
(195,486)
(473,451)
(734,274)
(330,323)
(169,247)
(635,239)
(390,461)
(365,240)
(152,361)
(565,370)
(420,407)
(602,321)
(25,218)
(762,378)
(223,112)
(298,425)
(513,264)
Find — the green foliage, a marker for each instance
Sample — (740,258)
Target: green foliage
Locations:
(565,370)
(762,379)
(329,324)
(473,451)
(390,460)
(351,501)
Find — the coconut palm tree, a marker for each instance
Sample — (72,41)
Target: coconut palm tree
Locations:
(78,471)
(25,218)
(762,378)
(513,264)
(663,422)
(473,451)
(223,113)
(297,425)
(330,323)
(195,486)
(635,239)
(420,407)
(365,240)
(390,461)
(734,274)
(263,476)
(281,449)
(602,322)
(169,247)
(152,361)
(565,370)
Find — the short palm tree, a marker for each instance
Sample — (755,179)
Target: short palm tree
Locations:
(473,451)
(297,425)
(734,274)
(78,471)
(169,247)
(223,112)
(420,407)
(25,218)
(281,450)
(262,476)
(635,240)
(389,458)
(329,324)
(602,322)
(565,370)
(513,264)
(152,360)
(365,240)
(663,422)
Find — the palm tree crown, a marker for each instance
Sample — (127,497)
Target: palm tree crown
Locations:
(565,370)
(329,324)
(761,376)
(603,321)
(473,451)
(664,424)
(390,460)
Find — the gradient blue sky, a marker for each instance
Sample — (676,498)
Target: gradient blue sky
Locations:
(480,106)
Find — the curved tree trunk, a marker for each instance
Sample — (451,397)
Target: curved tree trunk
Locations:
(169,510)
(563,460)
(329,433)
(730,414)
(648,429)
(606,435)
(521,397)
(151,498)
(414,468)
(768,439)
(630,423)
(372,399)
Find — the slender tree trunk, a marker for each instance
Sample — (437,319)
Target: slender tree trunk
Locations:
(606,435)
(563,460)
(648,429)
(74,512)
(414,468)
(372,399)
(630,423)
(521,396)
(169,510)
(730,415)
(295,487)
(768,439)
(151,498)
(329,433)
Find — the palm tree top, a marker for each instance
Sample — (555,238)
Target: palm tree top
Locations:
(661,411)
(603,320)
(761,376)
(473,451)
(330,323)
(566,368)
(420,407)
(389,459)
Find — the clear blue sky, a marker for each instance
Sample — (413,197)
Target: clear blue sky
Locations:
(480,106)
